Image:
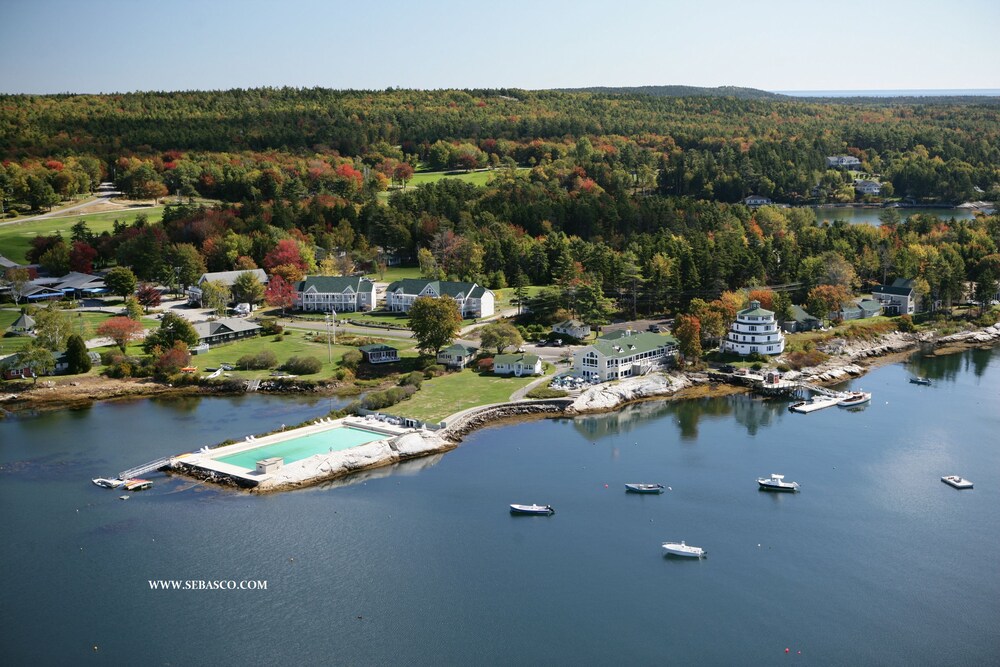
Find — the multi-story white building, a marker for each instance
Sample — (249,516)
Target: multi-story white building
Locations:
(622,354)
(340,294)
(473,300)
(755,330)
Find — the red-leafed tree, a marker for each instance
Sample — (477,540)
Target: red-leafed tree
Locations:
(122,330)
(285,252)
(402,173)
(173,360)
(764,296)
(280,293)
(148,296)
(81,257)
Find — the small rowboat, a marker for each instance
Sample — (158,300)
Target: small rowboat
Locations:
(107,483)
(923,381)
(957,482)
(643,488)
(532,509)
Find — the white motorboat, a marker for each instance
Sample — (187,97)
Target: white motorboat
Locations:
(107,483)
(957,482)
(643,488)
(532,509)
(776,483)
(682,549)
(854,398)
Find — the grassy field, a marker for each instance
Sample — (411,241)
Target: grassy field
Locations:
(452,392)
(83,323)
(394,273)
(15,238)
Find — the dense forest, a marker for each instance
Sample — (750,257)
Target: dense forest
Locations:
(617,200)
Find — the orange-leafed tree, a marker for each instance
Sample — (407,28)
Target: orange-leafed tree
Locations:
(122,330)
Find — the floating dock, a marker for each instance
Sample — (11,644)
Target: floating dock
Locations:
(818,403)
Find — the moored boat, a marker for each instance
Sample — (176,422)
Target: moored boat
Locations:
(854,398)
(107,483)
(776,483)
(138,484)
(919,380)
(957,482)
(532,509)
(643,488)
(816,403)
(682,549)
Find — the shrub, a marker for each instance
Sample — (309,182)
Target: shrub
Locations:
(269,326)
(905,324)
(383,399)
(256,362)
(546,392)
(414,379)
(279,338)
(302,365)
(351,359)
(800,360)
(756,366)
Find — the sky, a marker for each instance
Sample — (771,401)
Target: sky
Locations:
(103,46)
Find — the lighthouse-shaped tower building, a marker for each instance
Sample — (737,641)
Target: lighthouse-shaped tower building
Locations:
(755,330)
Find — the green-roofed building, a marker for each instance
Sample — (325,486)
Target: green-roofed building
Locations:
(473,300)
(517,364)
(754,330)
(338,294)
(378,353)
(624,353)
(457,355)
(801,321)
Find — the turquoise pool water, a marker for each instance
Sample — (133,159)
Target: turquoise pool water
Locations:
(303,447)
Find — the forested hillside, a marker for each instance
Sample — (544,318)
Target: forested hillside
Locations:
(618,201)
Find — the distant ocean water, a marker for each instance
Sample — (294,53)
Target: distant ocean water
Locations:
(931,92)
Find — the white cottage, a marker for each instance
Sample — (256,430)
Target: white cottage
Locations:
(473,300)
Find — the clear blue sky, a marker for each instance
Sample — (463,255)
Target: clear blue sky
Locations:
(92,46)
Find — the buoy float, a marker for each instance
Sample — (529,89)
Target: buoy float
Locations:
(605,486)
(787,650)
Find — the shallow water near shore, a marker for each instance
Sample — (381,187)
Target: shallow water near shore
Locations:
(874,561)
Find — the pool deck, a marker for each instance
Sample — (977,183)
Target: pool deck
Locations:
(398,444)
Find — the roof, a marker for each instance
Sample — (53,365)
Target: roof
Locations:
(570,324)
(235,325)
(440,287)
(870,305)
(25,321)
(7,263)
(799,314)
(850,308)
(229,277)
(523,359)
(377,347)
(76,280)
(893,289)
(619,344)
(335,284)
(458,348)
(756,311)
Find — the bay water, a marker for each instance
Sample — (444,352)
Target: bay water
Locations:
(875,561)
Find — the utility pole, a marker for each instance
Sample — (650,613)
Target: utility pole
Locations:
(329,348)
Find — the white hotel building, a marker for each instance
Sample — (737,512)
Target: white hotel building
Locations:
(755,330)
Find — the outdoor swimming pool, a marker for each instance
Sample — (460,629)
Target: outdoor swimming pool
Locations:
(295,449)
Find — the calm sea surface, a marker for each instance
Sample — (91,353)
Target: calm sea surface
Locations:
(874,562)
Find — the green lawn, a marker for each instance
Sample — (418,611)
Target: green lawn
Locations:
(83,323)
(394,273)
(452,392)
(15,238)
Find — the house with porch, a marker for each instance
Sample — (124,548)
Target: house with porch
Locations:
(473,300)
(379,353)
(756,200)
(843,162)
(623,353)
(867,187)
(457,356)
(517,365)
(228,278)
(225,330)
(897,298)
(572,328)
(339,294)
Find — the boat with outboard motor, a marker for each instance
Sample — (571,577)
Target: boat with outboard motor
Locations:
(682,549)
(532,509)
(643,488)
(776,483)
